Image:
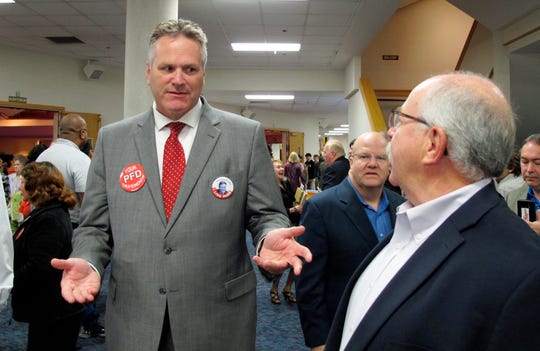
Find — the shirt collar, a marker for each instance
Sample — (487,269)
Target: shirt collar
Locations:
(66,142)
(424,219)
(532,197)
(190,119)
(383,204)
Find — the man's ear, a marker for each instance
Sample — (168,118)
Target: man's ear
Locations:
(147,73)
(437,143)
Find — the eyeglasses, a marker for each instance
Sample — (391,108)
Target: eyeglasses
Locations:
(393,119)
(364,158)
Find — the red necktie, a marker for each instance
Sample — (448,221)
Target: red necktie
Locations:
(174,164)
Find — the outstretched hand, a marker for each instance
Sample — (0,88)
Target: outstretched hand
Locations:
(280,250)
(80,283)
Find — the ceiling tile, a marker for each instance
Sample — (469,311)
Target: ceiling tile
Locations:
(98,7)
(15,9)
(70,20)
(329,30)
(328,20)
(52,8)
(284,20)
(23,20)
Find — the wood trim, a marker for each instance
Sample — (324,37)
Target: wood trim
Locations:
(32,106)
(519,37)
(389,93)
(466,45)
(279,129)
(372,106)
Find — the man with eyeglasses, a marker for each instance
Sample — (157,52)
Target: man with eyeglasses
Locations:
(461,271)
(342,225)
(530,171)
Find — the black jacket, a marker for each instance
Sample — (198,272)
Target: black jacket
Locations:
(335,173)
(45,234)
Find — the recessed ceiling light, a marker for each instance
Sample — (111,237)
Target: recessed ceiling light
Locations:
(7,1)
(269,97)
(274,47)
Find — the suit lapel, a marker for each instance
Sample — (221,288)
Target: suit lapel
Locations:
(145,141)
(354,209)
(203,145)
(437,248)
(426,260)
(336,330)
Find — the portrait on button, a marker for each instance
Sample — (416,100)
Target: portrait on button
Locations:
(222,187)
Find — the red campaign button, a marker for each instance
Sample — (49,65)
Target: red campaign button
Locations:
(132,177)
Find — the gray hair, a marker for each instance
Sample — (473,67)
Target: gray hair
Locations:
(174,28)
(336,146)
(478,122)
(533,138)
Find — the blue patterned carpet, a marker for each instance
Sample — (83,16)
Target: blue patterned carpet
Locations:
(278,326)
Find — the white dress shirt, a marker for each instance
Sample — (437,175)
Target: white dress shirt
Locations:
(414,225)
(186,136)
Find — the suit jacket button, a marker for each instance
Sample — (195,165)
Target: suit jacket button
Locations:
(168,250)
(162,291)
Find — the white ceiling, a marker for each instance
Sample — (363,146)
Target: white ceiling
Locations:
(331,32)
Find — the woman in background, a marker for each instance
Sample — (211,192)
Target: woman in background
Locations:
(294,216)
(45,234)
(294,171)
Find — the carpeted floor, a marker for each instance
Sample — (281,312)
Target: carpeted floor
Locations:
(278,326)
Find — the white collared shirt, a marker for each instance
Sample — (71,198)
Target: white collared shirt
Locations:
(414,225)
(186,136)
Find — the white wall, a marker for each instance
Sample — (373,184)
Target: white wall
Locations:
(60,81)
(525,86)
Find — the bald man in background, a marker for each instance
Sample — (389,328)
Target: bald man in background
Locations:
(65,154)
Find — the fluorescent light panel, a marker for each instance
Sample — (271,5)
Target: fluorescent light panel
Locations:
(268,97)
(274,47)
(7,1)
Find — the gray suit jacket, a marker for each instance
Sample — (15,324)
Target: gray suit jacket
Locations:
(518,194)
(196,265)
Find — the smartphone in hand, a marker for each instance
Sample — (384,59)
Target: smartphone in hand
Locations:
(526,210)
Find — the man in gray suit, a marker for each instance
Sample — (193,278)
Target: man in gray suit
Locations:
(183,283)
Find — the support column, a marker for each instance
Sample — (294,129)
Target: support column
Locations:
(357,112)
(501,63)
(141,18)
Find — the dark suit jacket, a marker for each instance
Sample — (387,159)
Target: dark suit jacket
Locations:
(46,234)
(335,173)
(339,235)
(473,285)
(196,265)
